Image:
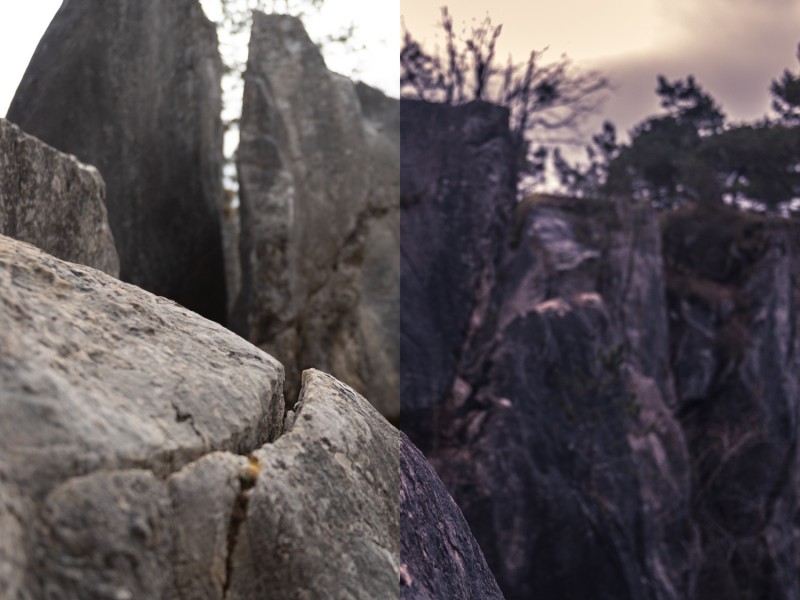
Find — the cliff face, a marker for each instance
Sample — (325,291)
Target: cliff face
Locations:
(455,183)
(734,296)
(318,168)
(603,430)
(133,88)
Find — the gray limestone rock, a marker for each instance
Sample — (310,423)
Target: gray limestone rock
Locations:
(104,535)
(133,88)
(318,169)
(54,202)
(322,519)
(115,377)
(204,497)
(142,455)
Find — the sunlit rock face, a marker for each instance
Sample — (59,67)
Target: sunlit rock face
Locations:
(51,200)
(318,167)
(133,88)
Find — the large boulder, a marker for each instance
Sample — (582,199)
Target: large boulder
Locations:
(318,170)
(134,89)
(115,377)
(54,202)
(144,453)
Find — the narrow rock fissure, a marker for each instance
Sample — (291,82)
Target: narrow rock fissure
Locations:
(247,481)
(183,417)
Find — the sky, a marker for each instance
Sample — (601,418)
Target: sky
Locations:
(734,48)
(23,22)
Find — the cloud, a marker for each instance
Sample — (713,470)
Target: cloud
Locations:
(734,48)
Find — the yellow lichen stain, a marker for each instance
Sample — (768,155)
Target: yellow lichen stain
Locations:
(250,472)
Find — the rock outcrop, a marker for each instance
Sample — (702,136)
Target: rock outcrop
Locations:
(615,419)
(456,186)
(550,422)
(440,557)
(54,202)
(734,297)
(143,454)
(134,89)
(318,169)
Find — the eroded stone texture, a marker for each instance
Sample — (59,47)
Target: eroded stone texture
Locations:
(105,535)
(115,377)
(108,393)
(439,556)
(133,88)
(14,522)
(457,199)
(547,411)
(323,516)
(318,168)
(54,202)
(204,497)
(734,296)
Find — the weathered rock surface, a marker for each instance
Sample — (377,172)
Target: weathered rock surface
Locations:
(54,202)
(318,169)
(550,423)
(134,89)
(143,454)
(115,377)
(105,390)
(456,190)
(440,557)
(616,419)
(323,516)
(734,296)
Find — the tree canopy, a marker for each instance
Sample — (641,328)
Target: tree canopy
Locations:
(691,154)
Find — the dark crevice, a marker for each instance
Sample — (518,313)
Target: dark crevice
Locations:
(248,477)
(183,417)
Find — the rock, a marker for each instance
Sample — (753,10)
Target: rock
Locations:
(54,202)
(319,208)
(205,497)
(457,199)
(616,255)
(104,535)
(116,378)
(135,91)
(545,405)
(142,455)
(734,296)
(322,519)
(440,558)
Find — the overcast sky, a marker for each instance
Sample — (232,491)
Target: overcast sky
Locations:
(23,22)
(733,47)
